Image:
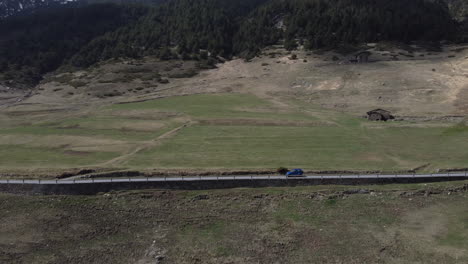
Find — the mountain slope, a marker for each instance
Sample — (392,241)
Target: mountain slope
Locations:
(458,8)
(190,29)
(228,30)
(190,24)
(323,23)
(33,45)
(11,7)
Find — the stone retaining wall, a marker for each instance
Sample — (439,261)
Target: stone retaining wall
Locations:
(95,188)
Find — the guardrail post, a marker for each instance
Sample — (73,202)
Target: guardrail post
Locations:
(7,181)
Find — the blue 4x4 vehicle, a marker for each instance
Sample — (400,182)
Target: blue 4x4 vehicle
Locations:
(295,173)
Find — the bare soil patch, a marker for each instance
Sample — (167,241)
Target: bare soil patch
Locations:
(259,122)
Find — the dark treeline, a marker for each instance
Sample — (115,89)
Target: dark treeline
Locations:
(458,8)
(191,25)
(192,29)
(36,44)
(26,7)
(325,23)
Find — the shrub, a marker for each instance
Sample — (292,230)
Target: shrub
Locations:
(203,55)
(77,84)
(112,94)
(131,70)
(183,74)
(147,78)
(63,78)
(282,170)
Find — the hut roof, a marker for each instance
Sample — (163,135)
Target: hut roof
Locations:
(382,112)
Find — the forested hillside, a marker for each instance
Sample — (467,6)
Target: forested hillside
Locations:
(12,7)
(191,25)
(21,7)
(458,8)
(33,45)
(190,29)
(325,23)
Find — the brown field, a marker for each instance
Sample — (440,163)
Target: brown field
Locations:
(423,223)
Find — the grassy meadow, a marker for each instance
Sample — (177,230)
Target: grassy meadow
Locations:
(224,131)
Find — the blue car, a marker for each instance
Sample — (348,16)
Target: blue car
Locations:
(295,173)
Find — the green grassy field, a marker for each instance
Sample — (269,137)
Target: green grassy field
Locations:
(235,106)
(229,131)
(23,156)
(347,143)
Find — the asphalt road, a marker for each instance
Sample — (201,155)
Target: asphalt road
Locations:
(461,175)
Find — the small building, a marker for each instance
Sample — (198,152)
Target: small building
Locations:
(379,115)
(363,56)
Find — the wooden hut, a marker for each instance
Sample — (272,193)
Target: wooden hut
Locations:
(379,115)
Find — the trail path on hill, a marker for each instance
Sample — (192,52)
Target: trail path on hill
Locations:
(143,146)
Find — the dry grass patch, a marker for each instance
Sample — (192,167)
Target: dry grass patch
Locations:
(258,122)
(315,224)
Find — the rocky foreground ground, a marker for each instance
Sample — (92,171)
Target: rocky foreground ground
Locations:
(422,223)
